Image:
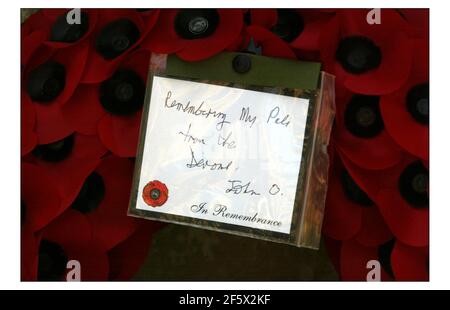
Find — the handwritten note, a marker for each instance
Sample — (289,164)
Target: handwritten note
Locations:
(225,154)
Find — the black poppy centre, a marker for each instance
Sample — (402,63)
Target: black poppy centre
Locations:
(91,194)
(52,261)
(362,116)
(155,194)
(413,185)
(62,31)
(193,24)
(417,103)
(289,24)
(55,151)
(123,93)
(116,37)
(353,192)
(358,54)
(46,82)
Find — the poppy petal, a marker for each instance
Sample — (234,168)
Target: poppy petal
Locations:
(374,230)
(408,224)
(126,258)
(71,229)
(83,111)
(120,134)
(342,219)
(28,137)
(29,246)
(40,195)
(410,263)
(309,38)
(110,222)
(271,44)
(30,44)
(51,125)
(266,18)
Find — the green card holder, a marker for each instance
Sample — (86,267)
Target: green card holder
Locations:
(271,75)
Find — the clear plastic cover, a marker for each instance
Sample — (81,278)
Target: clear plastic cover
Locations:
(238,154)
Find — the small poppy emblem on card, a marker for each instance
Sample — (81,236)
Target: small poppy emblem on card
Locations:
(155,193)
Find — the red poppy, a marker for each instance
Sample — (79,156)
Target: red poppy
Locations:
(116,34)
(401,194)
(49,78)
(350,213)
(68,161)
(359,132)
(355,258)
(270,44)
(298,27)
(40,200)
(406,111)
(113,108)
(194,34)
(62,34)
(103,200)
(410,263)
(126,258)
(70,238)
(155,193)
(367,59)
(58,33)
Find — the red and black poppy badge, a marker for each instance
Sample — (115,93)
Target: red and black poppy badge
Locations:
(155,193)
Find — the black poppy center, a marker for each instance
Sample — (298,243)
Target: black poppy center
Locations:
(155,194)
(353,192)
(52,261)
(123,93)
(116,37)
(56,151)
(384,256)
(362,116)
(413,185)
(358,54)
(62,31)
(289,25)
(46,82)
(120,43)
(196,23)
(417,103)
(91,194)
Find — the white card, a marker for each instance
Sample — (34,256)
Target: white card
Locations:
(224,154)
